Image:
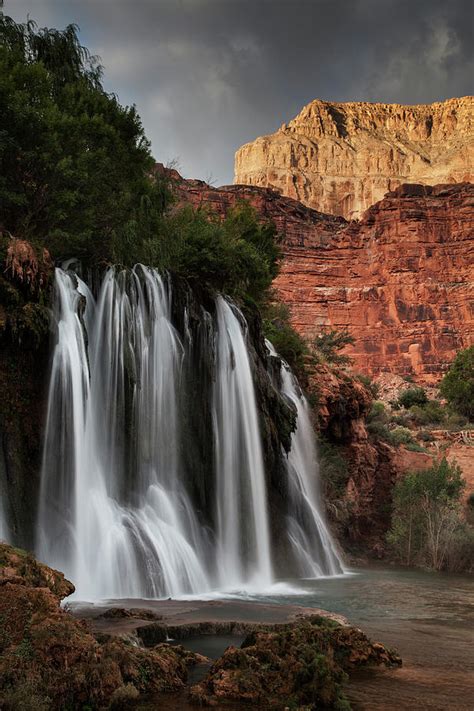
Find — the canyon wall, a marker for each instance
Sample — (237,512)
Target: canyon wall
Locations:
(341,158)
(401,279)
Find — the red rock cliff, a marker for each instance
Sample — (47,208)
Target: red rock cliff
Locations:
(401,279)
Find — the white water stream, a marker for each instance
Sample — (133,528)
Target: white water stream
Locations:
(115,510)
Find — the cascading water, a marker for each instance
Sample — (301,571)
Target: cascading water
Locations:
(145,429)
(4,528)
(4,531)
(113,512)
(242,519)
(309,535)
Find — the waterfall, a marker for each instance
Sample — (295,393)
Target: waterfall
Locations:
(113,512)
(4,529)
(242,519)
(153,481)
(308,532)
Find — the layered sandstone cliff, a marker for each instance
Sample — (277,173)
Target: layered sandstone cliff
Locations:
(401,279)
(341,158)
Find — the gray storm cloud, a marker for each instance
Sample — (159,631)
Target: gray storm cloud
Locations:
(210,75)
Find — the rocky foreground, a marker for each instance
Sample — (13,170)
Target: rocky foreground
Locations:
(52,660)
(341,158)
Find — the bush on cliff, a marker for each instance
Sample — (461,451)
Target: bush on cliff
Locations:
(457,385)
(328,345)
(277,328)
(237,255)
(428,528)
(412,396)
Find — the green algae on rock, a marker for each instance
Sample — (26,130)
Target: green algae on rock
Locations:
(49,659)
(303,664)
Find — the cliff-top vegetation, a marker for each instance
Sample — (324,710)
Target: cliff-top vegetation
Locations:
(77,175)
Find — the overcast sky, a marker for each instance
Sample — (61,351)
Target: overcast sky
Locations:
(210,75)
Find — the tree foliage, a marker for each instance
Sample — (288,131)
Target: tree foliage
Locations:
(237,255)
(457,385)
(427,524)
(413,396)
(74,163)
(327,346)
(77,175)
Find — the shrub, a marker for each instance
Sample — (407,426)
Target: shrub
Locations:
(401,435)
(333,470)
(431,413)
(378,430)
(367,381)
(412,396)
(327,346)
(457,385)
(415,447)
(425,436)
(460,553)
(277,328)
(123,697)
(377,412)
(401,420)
(455,421)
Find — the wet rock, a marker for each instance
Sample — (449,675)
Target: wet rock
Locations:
(51,657)
(303,664)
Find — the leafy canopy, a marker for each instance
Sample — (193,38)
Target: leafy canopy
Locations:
(77,175)
(327,346)
(74,163)
(427,523)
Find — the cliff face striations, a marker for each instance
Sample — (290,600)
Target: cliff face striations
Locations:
(341,158)
(401,279)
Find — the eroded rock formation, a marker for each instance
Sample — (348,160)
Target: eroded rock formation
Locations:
(49,659)
(341,158)
(401,279)
(302,665)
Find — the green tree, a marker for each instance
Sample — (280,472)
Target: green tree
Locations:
(327,346)
(457,385)
(427,521)
(238,255)
(77,176)
(75,165)
(405,533)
